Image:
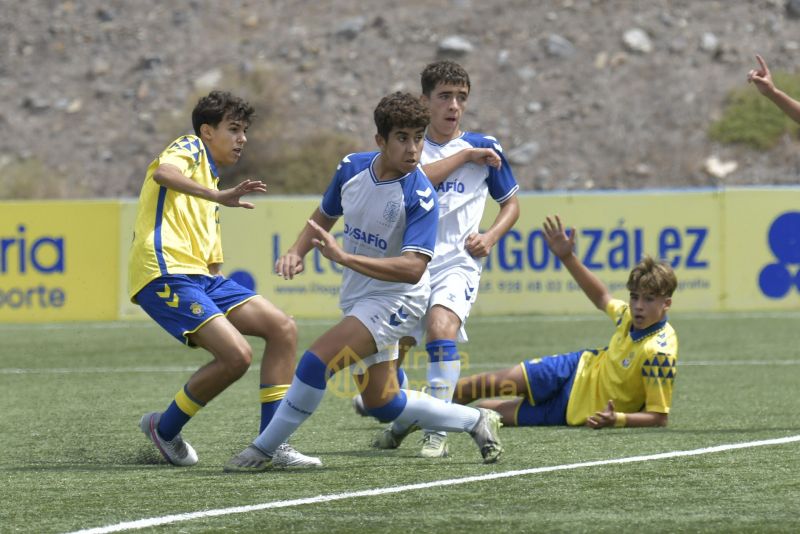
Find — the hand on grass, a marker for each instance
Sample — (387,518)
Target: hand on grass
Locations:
(603,419)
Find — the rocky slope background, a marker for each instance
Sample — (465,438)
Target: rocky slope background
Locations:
(582,94)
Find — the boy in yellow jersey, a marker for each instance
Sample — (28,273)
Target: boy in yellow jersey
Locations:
(762,79)
(628,383)
(175,276)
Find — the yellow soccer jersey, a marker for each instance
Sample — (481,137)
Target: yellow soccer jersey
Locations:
(636,370)
(175,233)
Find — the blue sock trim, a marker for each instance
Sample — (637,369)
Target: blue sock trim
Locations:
(312,371)
(391,410)
(442,350)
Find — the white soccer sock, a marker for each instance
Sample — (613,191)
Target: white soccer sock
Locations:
(434,414)
(444,369)
(299,403)
(442,380)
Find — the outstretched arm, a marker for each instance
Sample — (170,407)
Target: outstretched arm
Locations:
(611,418)
(171,177)
(291,263)
(407,268)
(762,79)
(438,171)
(480,245)
(563,246)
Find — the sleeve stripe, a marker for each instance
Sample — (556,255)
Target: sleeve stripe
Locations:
(421,250)
(508,195)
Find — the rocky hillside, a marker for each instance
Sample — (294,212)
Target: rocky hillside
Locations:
(583,94)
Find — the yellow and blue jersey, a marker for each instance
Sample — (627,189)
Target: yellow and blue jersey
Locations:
(637,370)
(175,233)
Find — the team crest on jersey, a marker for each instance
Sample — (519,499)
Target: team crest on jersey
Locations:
(196,308)
(392,211)
(627,361)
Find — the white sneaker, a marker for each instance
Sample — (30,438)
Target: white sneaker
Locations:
(287,457)
(176,451)
(434,445)
(250,460)
(486,435)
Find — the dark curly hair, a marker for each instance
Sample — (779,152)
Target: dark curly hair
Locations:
(655,277)
(444,71)
(400,110)
(214,107)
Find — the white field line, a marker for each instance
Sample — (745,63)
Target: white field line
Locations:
(185,369)
(177,518)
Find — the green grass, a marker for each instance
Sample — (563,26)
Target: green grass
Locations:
(72,456)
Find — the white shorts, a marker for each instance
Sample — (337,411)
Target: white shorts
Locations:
(388,318)
(456,289)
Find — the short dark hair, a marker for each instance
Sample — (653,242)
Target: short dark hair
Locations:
(444,71)
(651,276)
(214,107)
(400,110)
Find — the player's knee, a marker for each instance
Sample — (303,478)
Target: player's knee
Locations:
(238,361)
(284,331)
(443,324)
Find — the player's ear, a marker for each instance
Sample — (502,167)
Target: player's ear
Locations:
(205,131)
(380,141)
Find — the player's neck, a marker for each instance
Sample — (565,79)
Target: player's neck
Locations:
(382,173)
(442,138)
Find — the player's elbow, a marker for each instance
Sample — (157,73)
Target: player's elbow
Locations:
(160,176)
(660,419)
(412,276)
(414,267)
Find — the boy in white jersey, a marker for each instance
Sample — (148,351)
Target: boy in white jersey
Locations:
(627,383)
(175,276)
(460,246)
(390,216)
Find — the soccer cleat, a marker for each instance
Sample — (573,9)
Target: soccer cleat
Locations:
(250,460)
(388,439)
(176,451)
(286,457)
(485,433)
(358,406)
(434,445)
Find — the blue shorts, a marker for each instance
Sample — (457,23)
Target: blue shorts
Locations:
(549,385)
(182,303)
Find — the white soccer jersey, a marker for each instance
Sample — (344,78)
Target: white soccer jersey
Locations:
(462,198)
(381,220)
